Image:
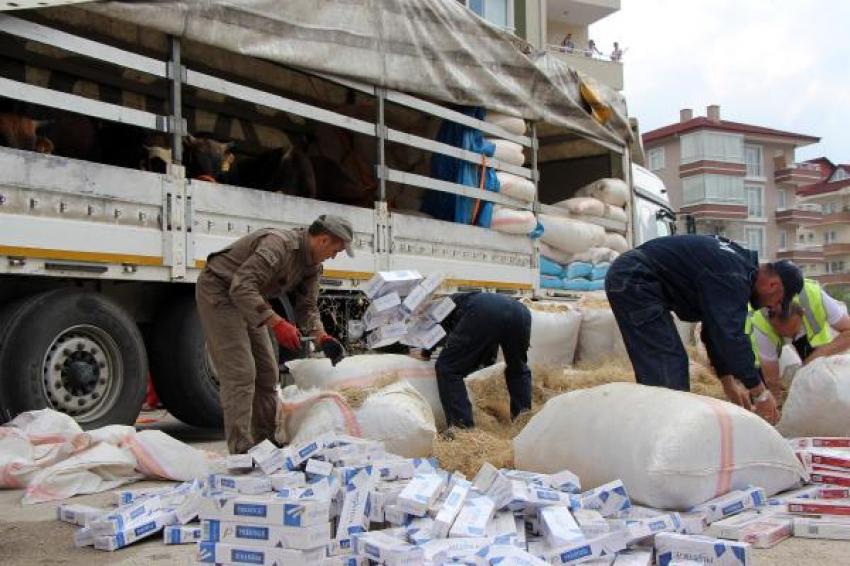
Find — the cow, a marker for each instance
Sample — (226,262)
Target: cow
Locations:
(280,170)
(20,132)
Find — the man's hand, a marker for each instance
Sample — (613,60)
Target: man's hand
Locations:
(764,404)
(332,349)
(735,392)
(286,333)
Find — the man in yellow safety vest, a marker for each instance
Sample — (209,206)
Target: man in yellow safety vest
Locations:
(815,324)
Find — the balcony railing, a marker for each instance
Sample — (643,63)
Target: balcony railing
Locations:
(800,214)
(801,252)
(798,174)
(600,67)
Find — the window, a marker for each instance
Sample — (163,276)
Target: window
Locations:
(783,239)
(839,175)
(497,12)
(828,208)
(781,199)
(712,146)
(655,158)
(755,205)
(755,239)
(714,188)
(752,156)
(802,239)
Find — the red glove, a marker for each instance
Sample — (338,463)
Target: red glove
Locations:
(287,335)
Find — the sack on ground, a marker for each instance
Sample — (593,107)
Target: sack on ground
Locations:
(554,334)
(599,336)
(401,418)
(818,402)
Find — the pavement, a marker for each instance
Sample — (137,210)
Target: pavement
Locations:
(31,535)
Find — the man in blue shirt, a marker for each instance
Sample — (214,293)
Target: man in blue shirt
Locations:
(700,278)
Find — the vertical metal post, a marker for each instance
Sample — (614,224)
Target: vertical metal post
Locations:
(381,131)
(535,178)
(175,74)
(631,227)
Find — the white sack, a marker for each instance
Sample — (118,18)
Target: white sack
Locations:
(400,417)
(509,152)
(615,242)
(303,415)
(570,235)
(515,186)
(818,402)
(556,255)
(583,205)
(599,336)
(616,213)
(512,124)
(44,426)
(672,449)
(512,221)
(597,255)
(554,336)
(611,191)
(161,456)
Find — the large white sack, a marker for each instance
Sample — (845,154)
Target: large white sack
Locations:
(615,242)
(818,402)
(611,191)
(511,221)
(160,456)
(597,255)
(515,186)
(401,418)
(554,334)
(570,235)
(616,213)
(672,449)
(512,124)
(509,152)
(583,205)
(369,369)
(303,415)
(44,426)
(599,336)
(553,253)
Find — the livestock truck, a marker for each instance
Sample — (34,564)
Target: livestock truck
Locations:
(98,257)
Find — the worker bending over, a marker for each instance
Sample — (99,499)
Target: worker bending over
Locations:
(236,317)
(700,278)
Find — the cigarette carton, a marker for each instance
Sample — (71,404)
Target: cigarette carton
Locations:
(450,508)
(354,516)
(732,503)
(373,320)
(422,292)
(251,534)
(807,492)
(830,492)
(502,527)
(473,517)
(384,303)
(303,452)
(820,442)
(248,484)
(445,550)
(671,547)
(420,530)
(820,506)
(591,522)
(559,527)
(604,546)
(422,491)
(830,478)
(233,554)
(634,557)
(832,528)
(530,478)
(384,282)
(128,496)
(768,532)
(319,467)
(424,336)
(118,520)
(144,528)
(542,497)
(286,479)
(267,510)
(566,481)
(386,335)
(181,534)
(507,554)
(485,477)
(608,499)
(639,529)
(83,537)
(693,522)
(239,462)
(730,527)
(386,549)
(437,310)
(77,514)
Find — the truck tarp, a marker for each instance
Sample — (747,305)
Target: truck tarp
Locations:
(436,49)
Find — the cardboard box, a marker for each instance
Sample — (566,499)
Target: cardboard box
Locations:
(608,499)
(559,527)
(251,534)
(828,457)
(732,503)
(386,550)
(473,517)
(820,506)
(247,484)
(832,528)
(77,514)
(297,455)
(143,528)
(422,491)
(181,534)
(118,520)
(385,282)
(671,547)
(239,462)
(233,554)
(450,508)
(268,510)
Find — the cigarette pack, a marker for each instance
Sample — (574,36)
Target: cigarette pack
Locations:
(267,510)
(445,550)
(820,506)
(806,492)
(181,534)
(670,547)
(450,508)
(605,546)
(424,336)
(319,467)
(502,527)
(354,516)
(128,496)
(422,292)
(129,534)
(559,527)
(438,309)
(820,442)
(830,492)
(77,514)
(119,519)
(732,503)
(634,557)
(238,462)
(833,528)
(386,549)
(247,484)
(383,282)
(373,320)
(507,554)
(286,479)
(234,554)
(422,491)
(693,522)
(566,481)
(591,522)
(639,529)
(830,478)
(386,335)
(83,537)
(473,517)
(608,499)
(251,534)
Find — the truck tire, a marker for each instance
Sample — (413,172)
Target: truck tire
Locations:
(76,352)
(8,314)
(182,372)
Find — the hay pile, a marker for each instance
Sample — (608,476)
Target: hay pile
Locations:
(491,439)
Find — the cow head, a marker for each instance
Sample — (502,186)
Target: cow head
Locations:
(206,158)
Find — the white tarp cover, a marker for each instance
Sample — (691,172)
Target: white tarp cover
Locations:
(432,48)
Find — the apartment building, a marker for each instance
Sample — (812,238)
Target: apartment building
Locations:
(737,180)
(545,23)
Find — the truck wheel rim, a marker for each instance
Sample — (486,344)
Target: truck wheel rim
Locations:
(82,372)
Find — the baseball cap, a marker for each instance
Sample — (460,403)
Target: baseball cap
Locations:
(339,227)
(792,281)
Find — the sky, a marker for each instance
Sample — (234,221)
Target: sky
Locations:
(782,64)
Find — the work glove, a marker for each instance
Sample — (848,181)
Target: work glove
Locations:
(287,335)
(332,349)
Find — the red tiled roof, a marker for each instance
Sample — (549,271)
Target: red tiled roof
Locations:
(825,166)
(723,125)
(822,188)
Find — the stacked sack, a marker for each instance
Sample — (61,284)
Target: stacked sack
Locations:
(585,271)
(403,309)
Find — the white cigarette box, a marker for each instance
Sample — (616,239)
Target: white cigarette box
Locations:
(267,510)
(608,499)
(820,442)
(424,335)
(768,532)
(671,547)
(820,506)
(830,478)
(303,452)
(450,508)
(566,481)
(319,467)
(181,534)
(507,554)
(502,527)
(693,522)
(384,303)
(248,484)
(118,520)
(559,527)
(446,550)
(591,522)
(732,503)
(386,549)
(386,335)
(128,496)
(286,479)
(83,537)
(233,554)
(422,491)
(730,527)
(807,492)
(373,320)
(251,534)
(143,528)
(543,497)
(438,309)
(599,547)
(482,481)
(239,462)
(80,515)
(420,294)
(530,478)
(832,528)
(384,282)
(634,557)
(639,529)
(473,517)
(354,516)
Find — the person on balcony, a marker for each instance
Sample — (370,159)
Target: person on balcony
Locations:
(617,54)
(568,45)
(592,50)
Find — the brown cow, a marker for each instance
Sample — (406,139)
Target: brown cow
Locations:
(21,132)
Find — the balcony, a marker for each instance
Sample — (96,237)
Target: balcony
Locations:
(833,278)
(715,211)
(580,12)
(842,217)
(802,253)
(797,174)
(836,249)
(602,69)
(800,215)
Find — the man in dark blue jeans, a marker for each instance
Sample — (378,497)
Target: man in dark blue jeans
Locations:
(700,278)
(479,325)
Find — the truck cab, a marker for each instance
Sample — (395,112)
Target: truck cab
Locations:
(653,215)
